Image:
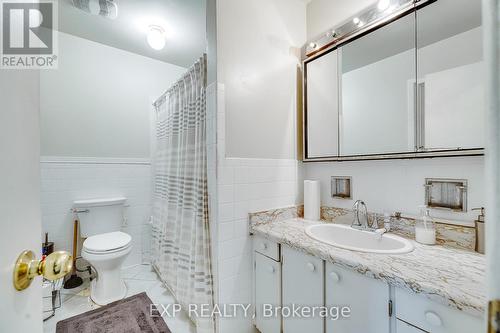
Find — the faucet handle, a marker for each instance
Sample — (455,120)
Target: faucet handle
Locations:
(374,224)
(381,232)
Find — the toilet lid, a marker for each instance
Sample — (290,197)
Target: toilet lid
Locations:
(107,242)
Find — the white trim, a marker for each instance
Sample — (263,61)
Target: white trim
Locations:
(394,156)
(93,160)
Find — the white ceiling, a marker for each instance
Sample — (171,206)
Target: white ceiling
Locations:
(184,21)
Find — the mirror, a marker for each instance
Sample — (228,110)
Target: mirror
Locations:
(450,75)
(378,77)
(412,87)
(322,106)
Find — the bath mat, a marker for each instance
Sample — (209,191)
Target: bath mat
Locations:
(129,315)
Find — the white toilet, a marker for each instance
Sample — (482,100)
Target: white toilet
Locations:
(105,246)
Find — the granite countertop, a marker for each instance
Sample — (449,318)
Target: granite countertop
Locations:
(452,277)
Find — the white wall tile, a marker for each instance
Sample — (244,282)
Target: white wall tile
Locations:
(63,182)
(244,186)
(250,185)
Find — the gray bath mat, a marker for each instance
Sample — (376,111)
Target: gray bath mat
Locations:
(129,315)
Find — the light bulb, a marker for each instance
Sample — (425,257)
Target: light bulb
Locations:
(331,34)
(313,45)
(156,37)
(355,20)
(383,5)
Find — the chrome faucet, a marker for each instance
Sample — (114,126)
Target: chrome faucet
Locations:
(363,213)
(361,217)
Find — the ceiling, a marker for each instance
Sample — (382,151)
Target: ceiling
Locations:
(183,20)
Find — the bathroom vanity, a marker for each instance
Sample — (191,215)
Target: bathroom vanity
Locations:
(431,289)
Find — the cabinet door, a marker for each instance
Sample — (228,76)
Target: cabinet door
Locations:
(322,121)
(267,292)
(450,73)
(433,317)
(376,115)
(367,298)
(303,278)
(402,327)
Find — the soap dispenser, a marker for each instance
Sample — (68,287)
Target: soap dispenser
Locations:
(480,230)
(425,228)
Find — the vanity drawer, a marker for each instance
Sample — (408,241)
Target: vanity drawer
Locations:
(433,317)
(266,247)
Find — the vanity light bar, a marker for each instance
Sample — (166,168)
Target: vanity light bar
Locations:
(372,17)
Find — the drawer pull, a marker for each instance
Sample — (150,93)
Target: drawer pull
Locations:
(263,246)
(271,269)
(311,267)
(433,319)
(335,276)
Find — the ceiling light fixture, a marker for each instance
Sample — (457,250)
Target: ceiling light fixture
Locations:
(383,5)
(313,45)
(156,37)
(355,20)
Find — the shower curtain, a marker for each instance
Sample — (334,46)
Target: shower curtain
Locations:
(180,233)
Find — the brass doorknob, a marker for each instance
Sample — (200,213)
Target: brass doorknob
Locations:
(55,266)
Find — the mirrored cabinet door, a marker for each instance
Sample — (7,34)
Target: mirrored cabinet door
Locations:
(378,91)
(321,121)
(450,75)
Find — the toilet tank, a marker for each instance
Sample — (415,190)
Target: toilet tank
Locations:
(99,216)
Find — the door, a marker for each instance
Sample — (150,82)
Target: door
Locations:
(20,311)
(302,282)
(267,293)
(369,305)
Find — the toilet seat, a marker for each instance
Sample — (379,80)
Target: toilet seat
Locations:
(107,243)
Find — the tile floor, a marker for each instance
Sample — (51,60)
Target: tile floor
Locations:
(138,279)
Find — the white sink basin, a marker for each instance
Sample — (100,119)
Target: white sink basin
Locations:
(345,237)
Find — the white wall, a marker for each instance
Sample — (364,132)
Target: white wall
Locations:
(325,14)
(256,132)
(98,102)
(398,185)
(258,68)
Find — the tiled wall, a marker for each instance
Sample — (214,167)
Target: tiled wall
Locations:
(66,180)
(244,186)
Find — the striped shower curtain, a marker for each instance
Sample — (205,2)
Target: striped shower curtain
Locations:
(180,234)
